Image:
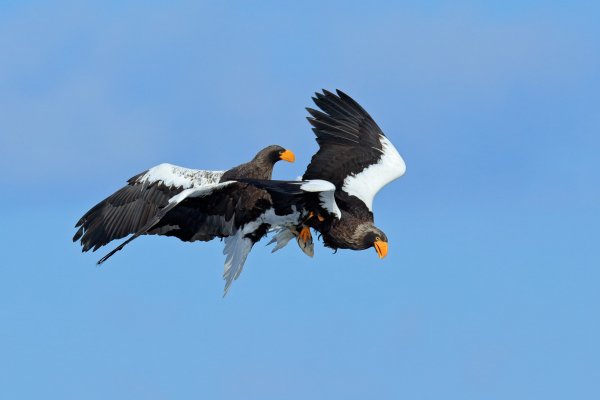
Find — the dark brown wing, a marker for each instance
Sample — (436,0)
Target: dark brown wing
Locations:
(216,215)
(124,212)
(205,213)
(347,135)
(132,207)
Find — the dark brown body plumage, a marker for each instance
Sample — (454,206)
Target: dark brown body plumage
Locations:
(144,207)
(350,143)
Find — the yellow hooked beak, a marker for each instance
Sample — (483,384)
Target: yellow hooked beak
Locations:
(381,248)
(287,155)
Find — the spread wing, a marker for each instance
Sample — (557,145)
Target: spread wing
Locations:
(132,207)
(354,154)
(188,204)
(214,210)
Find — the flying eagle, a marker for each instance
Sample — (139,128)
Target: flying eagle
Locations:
(191,205)
(335,197)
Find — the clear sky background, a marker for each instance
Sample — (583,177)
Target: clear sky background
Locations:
(490,289)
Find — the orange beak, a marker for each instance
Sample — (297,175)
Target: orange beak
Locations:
(381,248)
(288,156)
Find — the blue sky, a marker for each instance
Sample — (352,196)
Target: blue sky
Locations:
(490,290)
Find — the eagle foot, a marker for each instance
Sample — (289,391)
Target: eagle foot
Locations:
(305,237)
(312,214)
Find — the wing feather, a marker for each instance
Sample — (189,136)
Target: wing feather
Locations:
(130,208)
(164,223)
(353,154)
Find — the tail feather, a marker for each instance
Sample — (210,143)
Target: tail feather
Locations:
(283,237)
(237,248)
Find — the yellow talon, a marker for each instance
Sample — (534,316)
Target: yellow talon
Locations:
(304,234)
(312,214)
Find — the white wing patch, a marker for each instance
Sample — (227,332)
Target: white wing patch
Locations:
(328,202)
(201,191)
(317,185)
(326,195)
(175,176)
(369,181)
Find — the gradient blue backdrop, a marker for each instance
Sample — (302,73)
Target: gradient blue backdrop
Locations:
(490,290)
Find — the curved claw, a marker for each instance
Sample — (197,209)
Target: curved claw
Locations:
(305,241)
(305,235)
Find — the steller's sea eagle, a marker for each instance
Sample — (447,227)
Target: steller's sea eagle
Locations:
(335,196)
(191,205)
